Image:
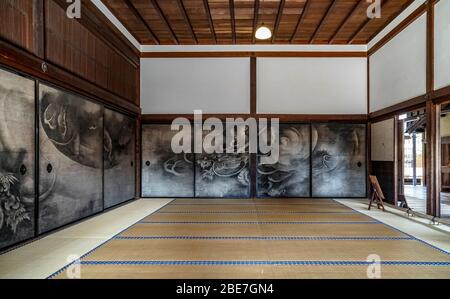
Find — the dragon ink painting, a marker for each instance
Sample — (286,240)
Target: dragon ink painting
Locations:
(17,159)
(224,174)
(70,157)
(290,176)
(119,152)
(164,173)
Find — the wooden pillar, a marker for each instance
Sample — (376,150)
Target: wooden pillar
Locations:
(138,158)
(396,140)
(400,159)
(253,111)
(433,158)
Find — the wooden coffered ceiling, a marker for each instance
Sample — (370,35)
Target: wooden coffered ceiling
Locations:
(205,22)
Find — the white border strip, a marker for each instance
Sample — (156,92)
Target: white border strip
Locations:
(408,11)
(253,48)
(116,23)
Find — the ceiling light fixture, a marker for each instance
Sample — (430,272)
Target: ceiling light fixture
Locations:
(263,32)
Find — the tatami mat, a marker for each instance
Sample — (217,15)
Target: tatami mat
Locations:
(293,238)
(123,271)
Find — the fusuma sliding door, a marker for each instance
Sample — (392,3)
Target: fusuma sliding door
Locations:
(226,174)
(164,173)
(119,153)
(338,160)
(290,176)
(70,158)
(17,158)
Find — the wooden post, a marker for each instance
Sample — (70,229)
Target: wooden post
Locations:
(433,157)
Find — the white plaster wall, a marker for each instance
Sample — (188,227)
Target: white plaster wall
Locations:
(182,85)
(312,85)
(398,69)
(442,44)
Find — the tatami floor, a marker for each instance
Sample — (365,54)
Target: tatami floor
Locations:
(276,238)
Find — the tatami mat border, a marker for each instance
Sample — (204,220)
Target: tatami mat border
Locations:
(260,222)
(276,238)
(252,212)
(245,204)
(274,263)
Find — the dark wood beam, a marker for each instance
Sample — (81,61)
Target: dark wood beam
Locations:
(187,20)
(210,22)
(322,21)
(363,26)
(344,22)
(255,20)
(278,20)
(253,82)
(300,19)
(233,21)
(164,20)
(139,17)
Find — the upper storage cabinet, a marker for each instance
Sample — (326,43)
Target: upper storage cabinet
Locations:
(20,24)
(88,52)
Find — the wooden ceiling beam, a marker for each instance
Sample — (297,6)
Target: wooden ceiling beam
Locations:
(210,22)
(300,19)
(255,20)
(344,22)
(139,17)
(364,25)
(164,20)
(187,20)
(322,21)
(278,20)
(233,21)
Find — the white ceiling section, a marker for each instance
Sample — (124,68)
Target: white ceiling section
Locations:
(398,69)
(442,44)
(182,85)
(312,85)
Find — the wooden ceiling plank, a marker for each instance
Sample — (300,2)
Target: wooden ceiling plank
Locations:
(139,17)
(210,22)
(344,22)
(233,21)
(300,19)
(322,21)
(278,20)
(187,20)
(255,20)
(164,20)
(364,25)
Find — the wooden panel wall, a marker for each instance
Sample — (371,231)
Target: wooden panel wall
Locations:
(87,55)
(21,23)
(72,46)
